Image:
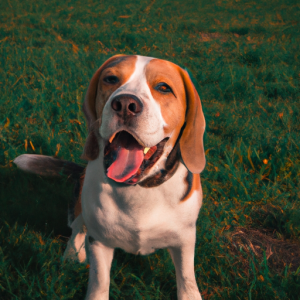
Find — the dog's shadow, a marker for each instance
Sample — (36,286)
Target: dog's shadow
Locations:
(38,201)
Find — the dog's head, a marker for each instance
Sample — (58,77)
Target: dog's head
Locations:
(141,111)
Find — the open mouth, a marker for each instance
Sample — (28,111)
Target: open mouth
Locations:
(125,160)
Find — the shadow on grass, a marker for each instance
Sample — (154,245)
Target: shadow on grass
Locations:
(39,202)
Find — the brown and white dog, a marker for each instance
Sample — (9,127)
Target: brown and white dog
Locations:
(141,189)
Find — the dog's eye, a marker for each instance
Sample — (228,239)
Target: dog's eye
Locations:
(111,79)
(163,87)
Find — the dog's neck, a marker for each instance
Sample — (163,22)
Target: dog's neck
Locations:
(165,173)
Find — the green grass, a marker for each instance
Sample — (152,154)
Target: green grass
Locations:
(244,57)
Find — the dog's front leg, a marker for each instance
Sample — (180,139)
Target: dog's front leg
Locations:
(100,258)
(76,245)
(183,259)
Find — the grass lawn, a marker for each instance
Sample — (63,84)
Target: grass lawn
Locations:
(244,57)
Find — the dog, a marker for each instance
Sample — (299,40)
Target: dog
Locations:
(141,189)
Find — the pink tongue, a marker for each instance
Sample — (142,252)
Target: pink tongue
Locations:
(126,164)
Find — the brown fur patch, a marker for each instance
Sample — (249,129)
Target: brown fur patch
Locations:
(173,106)
(191,142)
(77,208)
(91,147)
(74,208)
(193,184)
(122,68)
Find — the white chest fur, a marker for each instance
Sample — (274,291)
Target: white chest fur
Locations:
(134,218)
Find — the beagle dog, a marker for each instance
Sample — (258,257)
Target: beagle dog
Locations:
(141,188)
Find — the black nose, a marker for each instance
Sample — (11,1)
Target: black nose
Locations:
(126,105)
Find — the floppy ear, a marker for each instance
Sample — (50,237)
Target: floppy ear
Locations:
(191,141)
(91,147)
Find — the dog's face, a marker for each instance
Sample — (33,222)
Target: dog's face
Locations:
(138,108)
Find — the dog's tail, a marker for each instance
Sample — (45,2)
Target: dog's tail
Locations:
(48,166)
